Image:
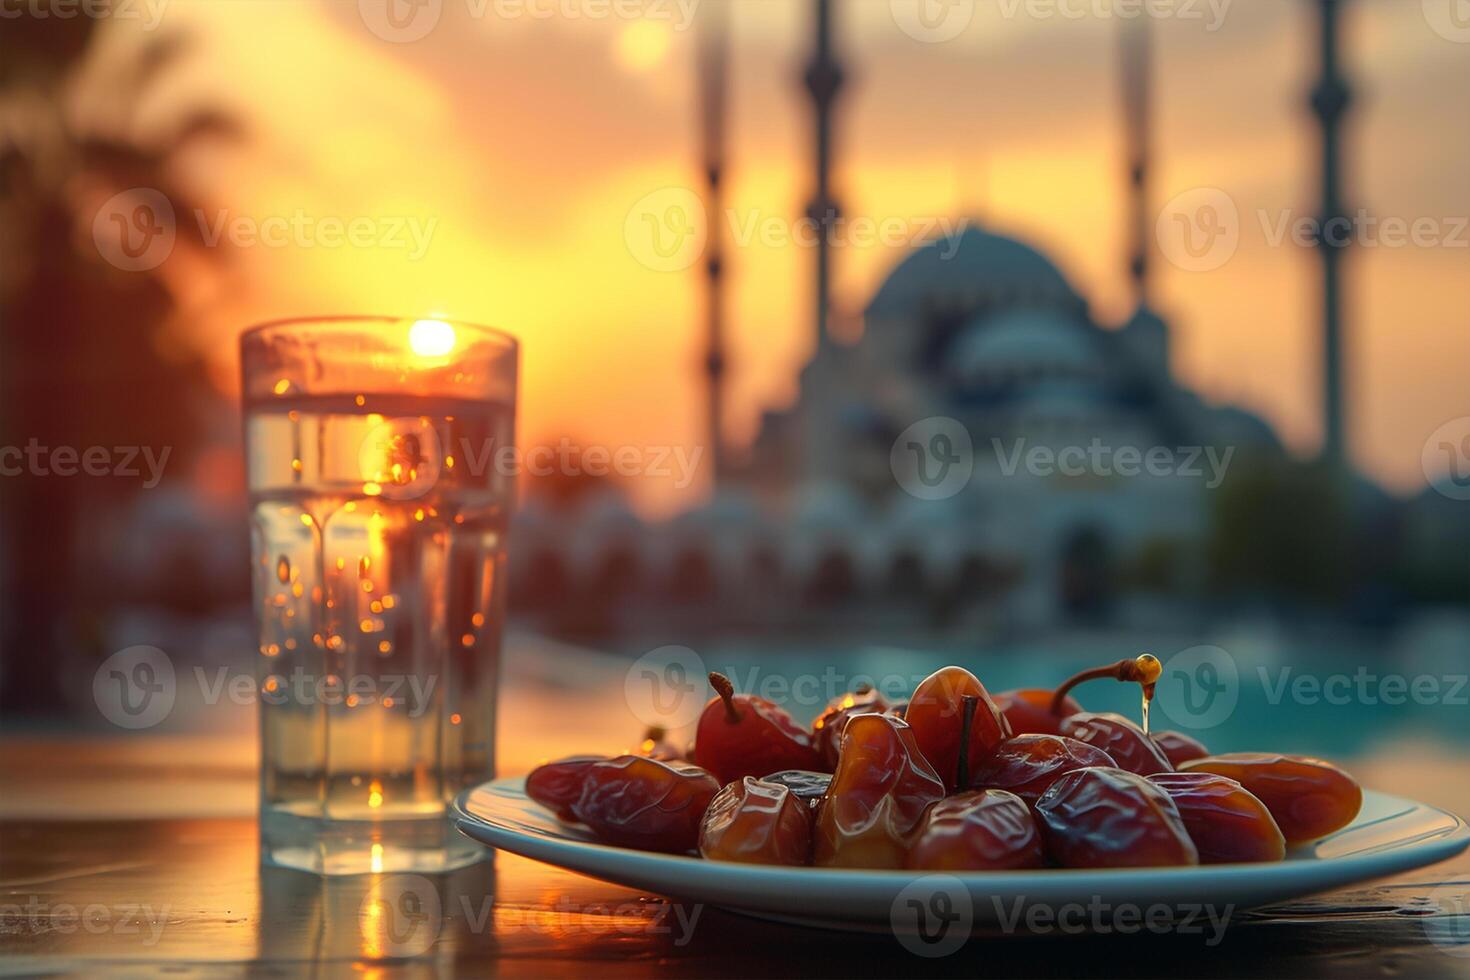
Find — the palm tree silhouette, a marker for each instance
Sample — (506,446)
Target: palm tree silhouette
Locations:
(81,358)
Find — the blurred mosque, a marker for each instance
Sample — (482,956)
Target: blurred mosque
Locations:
(815,527)
(983,330)
(810,528)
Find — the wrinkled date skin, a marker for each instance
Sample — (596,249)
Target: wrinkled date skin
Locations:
(558,785)
(1028,711)
(983,830)
(1308,798)
(1226,823)
(1027,765)
(805,785)
(762,738)
(877,798)
(936,715)
(635,801)
(827,729)
(1179,748)
(1120,738)
(1111,818)
(756,822)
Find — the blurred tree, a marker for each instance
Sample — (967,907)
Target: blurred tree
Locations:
(1282,531)
(1086,576)
(82,359)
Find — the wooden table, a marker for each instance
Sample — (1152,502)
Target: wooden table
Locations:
(135,856)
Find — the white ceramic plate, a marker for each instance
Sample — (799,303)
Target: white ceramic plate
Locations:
(1389,836)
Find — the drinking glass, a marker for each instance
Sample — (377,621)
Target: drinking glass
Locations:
(378,523)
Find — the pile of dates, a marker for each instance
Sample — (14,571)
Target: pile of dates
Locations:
(954,779)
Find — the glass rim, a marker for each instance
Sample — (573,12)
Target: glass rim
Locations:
(507,340)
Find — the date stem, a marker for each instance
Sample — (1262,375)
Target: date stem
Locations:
(726,691)
(967,722)
(1143,669)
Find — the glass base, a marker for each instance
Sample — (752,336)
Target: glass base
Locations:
(425,845)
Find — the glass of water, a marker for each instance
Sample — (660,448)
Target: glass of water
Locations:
(378,523)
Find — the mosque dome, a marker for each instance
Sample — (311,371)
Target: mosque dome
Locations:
(1026,343)
(1236,426)
(1060,402)
(971,267)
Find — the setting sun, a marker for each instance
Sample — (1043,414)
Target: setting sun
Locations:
(643,45)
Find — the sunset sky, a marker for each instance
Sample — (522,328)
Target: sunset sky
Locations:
(520,143)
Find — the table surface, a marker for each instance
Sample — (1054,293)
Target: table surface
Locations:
(132,856)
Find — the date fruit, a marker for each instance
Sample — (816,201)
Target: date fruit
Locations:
(1130,748)
(1028,711)
(1027,765)
(1110,818)
(1179,748)
(753,821)
(981,830)
(877,798)
(1308,798)
(936,715)
(827,729)
(743,735)
(558,785)
(635,801)
(805,785)
(1226,823)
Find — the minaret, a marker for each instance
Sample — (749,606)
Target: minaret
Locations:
(1330,98)
(714,26)
(1135,50)
(823,80)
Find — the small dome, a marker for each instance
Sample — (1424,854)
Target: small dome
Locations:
(1060,401)
(729,509)
(971,266)
(834,506)
(1023,342)
(911,515)
(609,511)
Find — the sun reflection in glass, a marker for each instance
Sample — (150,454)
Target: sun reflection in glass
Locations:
(431,338)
